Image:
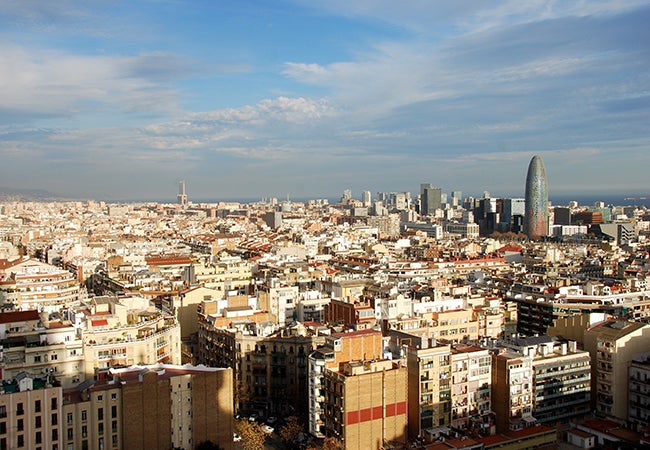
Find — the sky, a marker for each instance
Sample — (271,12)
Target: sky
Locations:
(258,98)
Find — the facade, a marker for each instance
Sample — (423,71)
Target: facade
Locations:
(561,378)
(471,374)
(536,219)
(366,404)
(32,344)
(147,338)
(339,348)
(512,390)
(30,414)
(612,345)
(639,391)
(31,284)
(429,380)
(158,406)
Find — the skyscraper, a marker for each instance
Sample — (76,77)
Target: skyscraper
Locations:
(536,220)
(182,196)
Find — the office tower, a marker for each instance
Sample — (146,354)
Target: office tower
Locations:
(182,196)
(562,215)
(513,207)
(536,220)
(430,199)
(456,198)
(366,198)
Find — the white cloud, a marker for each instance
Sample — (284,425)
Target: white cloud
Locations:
(53,82)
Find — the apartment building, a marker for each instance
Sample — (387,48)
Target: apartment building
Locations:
(512,390)
(338,349)
(36,345)
(429,385)
(639,391)
(454,325)
(612,345)
(223,275)
(366,404)
(30,414)
(156,406)
(471,375)
(31,284)
(127,331)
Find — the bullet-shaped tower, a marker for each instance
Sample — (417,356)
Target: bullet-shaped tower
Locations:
(536,220)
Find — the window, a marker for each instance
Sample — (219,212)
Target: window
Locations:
(20,425)
(55,434)
(54,403)
(3,427)
(3,411)
(113,396)
(114,426)
(37,358)
(19,409)
(113,412)
(84,415)
(100,428)
(37,422)
(3,444)
(69,418)
(114,440)
(37,406)
(20,440)
(84,431)
(101,443)
(100,413)
(55,419)
(70,434)
(38,437)
(54,357)
(100,398)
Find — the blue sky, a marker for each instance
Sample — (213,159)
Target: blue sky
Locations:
(249,99)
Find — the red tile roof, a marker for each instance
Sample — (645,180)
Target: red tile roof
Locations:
(19,316)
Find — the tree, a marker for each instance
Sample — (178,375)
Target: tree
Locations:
(251,433)
(290,431)
(332,443)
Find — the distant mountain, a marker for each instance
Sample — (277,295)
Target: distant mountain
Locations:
(31,194)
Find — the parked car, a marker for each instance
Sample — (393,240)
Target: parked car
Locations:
(268,429)
(236,437)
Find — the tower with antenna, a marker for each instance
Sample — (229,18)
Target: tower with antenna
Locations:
(182,196)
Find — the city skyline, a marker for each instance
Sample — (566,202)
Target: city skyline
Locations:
(244,100)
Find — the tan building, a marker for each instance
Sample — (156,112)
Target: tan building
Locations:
(429,385)
(160,407)
(366,404)
(471,374)
(227,274)
(31,284)
(454,325)
(33,344)
(339,348)
(30,414)
(612,345)
(123,332)
(512,390)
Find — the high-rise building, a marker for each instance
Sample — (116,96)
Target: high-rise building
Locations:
(182,196)
(536,220)
(430,199)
